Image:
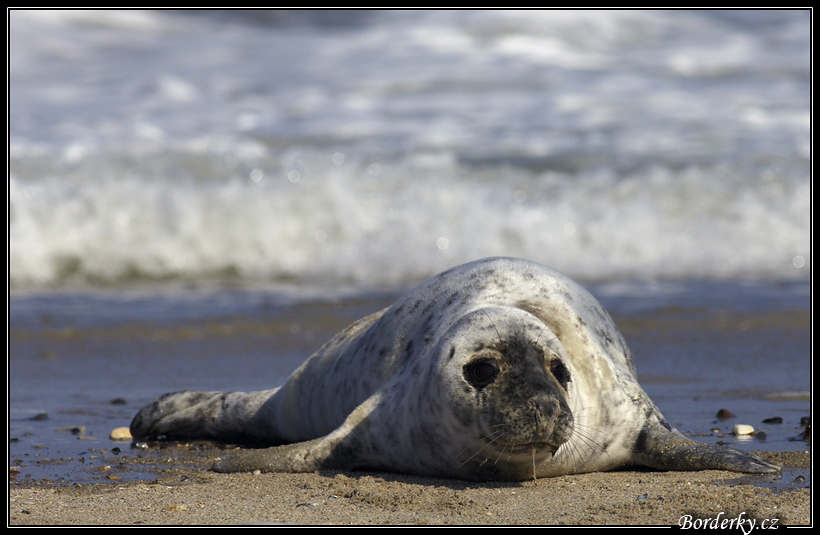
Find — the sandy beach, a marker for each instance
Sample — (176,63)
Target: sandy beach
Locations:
(187,494)
(57,478)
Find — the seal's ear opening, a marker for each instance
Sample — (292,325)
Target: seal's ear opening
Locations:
(560,372)
(481,372)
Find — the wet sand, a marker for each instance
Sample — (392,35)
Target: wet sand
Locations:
(185,493)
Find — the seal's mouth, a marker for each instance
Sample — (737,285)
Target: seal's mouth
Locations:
(526,448)
(533,447)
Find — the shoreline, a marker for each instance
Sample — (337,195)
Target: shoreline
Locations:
(187,494)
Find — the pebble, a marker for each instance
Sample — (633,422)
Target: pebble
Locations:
(120,433)
(805,420)
(743,429)
(724,414)
(74,429)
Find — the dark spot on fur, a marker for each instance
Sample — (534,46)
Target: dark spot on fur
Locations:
(428,307)
(529,307)
(641,440)
(428,320)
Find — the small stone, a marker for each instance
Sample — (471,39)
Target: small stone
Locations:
(743,429)
(120,433)
(773,420)
(724,414)
(74,429)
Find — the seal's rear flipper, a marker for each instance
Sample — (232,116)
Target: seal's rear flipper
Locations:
(231,417)
(663,449)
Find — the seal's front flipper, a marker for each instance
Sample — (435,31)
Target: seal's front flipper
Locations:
(346,448)
(333,451)
(663,449)
(299,457)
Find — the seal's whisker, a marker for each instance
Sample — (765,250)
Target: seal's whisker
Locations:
(500,339)
(488,441)
(589,429)
(592,444)
(509,443)
(534,475)
(567,449)
(539,335)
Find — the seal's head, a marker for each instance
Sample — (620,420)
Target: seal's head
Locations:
(511,382)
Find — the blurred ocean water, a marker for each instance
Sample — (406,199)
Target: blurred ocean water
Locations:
(378,148)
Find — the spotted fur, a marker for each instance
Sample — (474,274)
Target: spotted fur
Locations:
(497,369)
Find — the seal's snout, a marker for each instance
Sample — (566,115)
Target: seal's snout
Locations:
(553,421)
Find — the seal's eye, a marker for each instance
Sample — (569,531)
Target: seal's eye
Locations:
(481,372)
(559,371)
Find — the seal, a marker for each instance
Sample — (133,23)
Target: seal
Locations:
(500,369)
